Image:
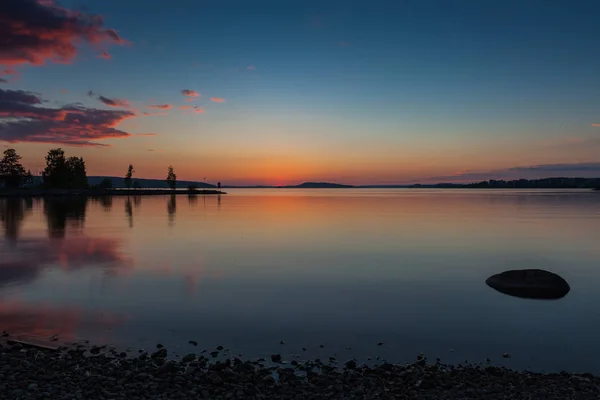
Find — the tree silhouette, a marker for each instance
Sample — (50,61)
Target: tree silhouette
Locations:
(128,176)
(63,173)
(12,173)
(171,178)
(77,178)
(55,173)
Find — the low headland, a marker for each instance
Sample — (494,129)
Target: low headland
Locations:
(91,372)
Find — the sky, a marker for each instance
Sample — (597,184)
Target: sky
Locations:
(281,92)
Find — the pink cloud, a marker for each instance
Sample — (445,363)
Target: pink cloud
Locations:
(146,134)
(63,90)
(37,31)
(161,106)
(251,67)
(185,107)
(104,55)
(23,119)
(190,93)
(147,113)
(217,99)
(596,125)
(199,110)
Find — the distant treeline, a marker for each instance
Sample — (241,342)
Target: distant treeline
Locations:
(547,183)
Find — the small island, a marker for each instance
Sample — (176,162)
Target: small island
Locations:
(64,176)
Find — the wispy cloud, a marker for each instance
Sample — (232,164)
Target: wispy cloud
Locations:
(161,106)
(2,80)
(104,55)
(251,67)
(63,90)
(150,149)
(146,134)
(343,44)
(190,93)
(217,100)
(23,119)
(185,107)
(597,125)
(37,31)
(199,110)
(114,102)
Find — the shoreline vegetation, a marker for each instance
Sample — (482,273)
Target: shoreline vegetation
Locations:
(64,176)
(35,371)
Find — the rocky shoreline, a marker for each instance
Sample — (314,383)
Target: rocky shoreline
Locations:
(84,372)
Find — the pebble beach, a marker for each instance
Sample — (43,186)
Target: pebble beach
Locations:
(92,372)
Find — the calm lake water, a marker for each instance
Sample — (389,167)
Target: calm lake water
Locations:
(338,268)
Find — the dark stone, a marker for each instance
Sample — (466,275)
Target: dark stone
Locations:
(189,358)
(351,364)
(193,342)
(219,348)
(162,353)
(276,358)
(530,284)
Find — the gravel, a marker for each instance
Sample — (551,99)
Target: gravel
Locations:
(85,373)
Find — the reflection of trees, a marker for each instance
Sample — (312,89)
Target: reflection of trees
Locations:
(106,202)
(59,211)
(192,199)
(12,214)
(137,201)
(129,211)
(219,201)
(171,209)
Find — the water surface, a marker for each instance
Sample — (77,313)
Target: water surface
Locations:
(345,269)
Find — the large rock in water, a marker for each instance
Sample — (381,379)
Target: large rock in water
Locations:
(529,283)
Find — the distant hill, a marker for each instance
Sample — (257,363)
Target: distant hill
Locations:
(320,185)
(146,183)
